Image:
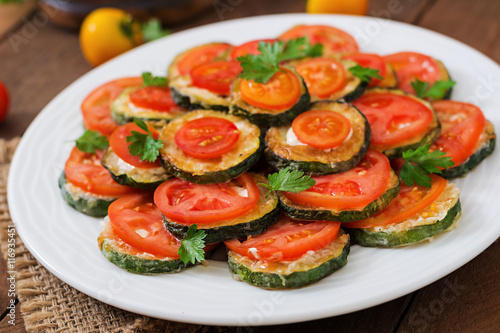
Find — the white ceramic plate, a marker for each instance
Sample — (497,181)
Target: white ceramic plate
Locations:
(64,240)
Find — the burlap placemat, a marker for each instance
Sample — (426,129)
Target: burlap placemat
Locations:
(50,305)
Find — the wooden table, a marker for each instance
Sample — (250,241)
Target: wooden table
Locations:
(37,64)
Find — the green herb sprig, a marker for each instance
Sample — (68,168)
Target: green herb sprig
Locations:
(90,141)
(144,145)
(263,66)
(149,79)
(289,181)
(365,74)
(435,92)
(191,249)
(419,163)
(152,30)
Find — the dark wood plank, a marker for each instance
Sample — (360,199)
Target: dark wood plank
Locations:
(17,327)
(408,11)
(467,300)
(37,63)
(475,23)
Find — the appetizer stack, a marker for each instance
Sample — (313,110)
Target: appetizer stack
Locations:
(286,150)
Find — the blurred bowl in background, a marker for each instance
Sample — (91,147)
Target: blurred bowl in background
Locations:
(70,13)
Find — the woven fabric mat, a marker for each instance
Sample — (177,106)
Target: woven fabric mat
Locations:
(50,305)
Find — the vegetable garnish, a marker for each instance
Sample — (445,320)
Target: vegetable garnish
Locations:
(90,141)
(149,80)
(144,145)
(437,91)
(290,181)
(419,163)
(365,74)
(152,30)
(192,245)
(263,66)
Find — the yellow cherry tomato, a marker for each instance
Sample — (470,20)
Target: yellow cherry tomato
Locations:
(352,7)
(108,32)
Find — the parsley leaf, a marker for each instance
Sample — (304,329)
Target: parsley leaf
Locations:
(149,80)
(90,141)
(152,30)
(419,163)
(192,245)
(437,91)
(289,181)
(263,66)
(143,144)
(365,74)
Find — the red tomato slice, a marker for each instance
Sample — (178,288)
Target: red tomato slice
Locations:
(154,98)
(281,92)
(118,143)
(321,128)
(410,66)
(334,40)
(461,127)
(351,189)
(84,170)
(393,118)
(286,240)
(207,137)
(323,76)
(410,201)
(189,203)
(4,101)
(370,60)
(249,48)
(216,76)
(136,220)
(201,55)
(95,108)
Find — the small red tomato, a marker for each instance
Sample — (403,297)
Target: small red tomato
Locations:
(4,101)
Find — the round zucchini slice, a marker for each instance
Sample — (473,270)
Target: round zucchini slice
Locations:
(306,270)
(284,151)
(353,87)
(264,214)
(130,259)
(240,158)
(442,215)
(186,94)
(124,111)
(126,174)
(390,79)
(427,136)
(306,212)
(85,202)
(484,148)
(266,118)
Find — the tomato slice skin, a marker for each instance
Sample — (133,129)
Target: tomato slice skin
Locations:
(201,55)
(323,76)
(190,203)
(410,66)
(393,118)
(216,76)
(322,129)
(287,239)
(155,98)
(354,188)
(84,170)
(461,128)
(410,201)
(207,137)
(120,146)
(280,93)
(334,40)
(370,60)
(96,106)
(249,48)
(135,212)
